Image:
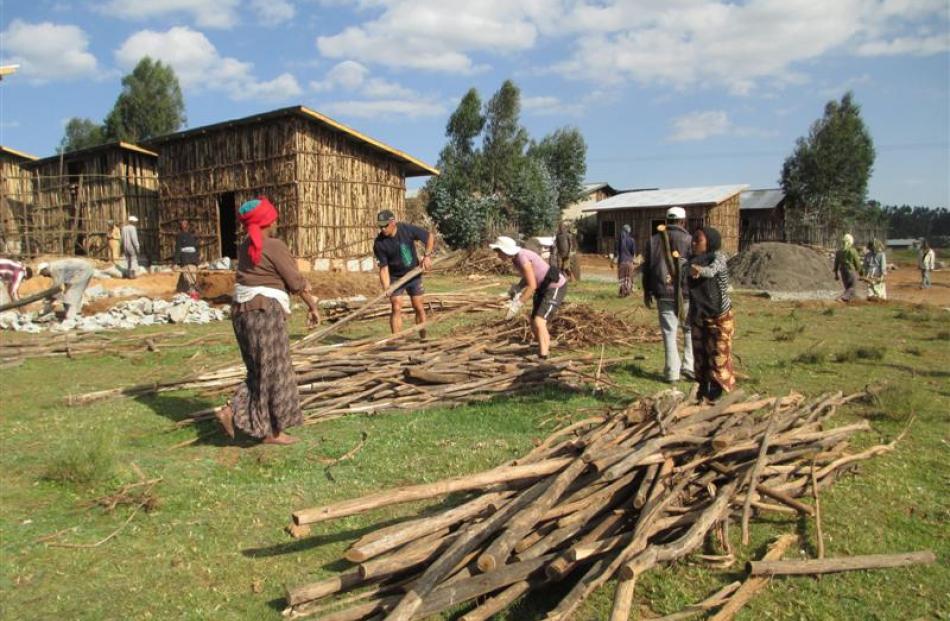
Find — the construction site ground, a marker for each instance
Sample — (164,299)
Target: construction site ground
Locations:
(211,544)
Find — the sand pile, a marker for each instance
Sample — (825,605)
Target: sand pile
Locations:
(774,266)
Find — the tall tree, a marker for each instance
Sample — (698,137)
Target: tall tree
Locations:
(465,124)
(826,177)
(81,134)
(564,153)
(533,196)
(505,139)
(149,105)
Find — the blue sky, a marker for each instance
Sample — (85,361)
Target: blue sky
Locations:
(667,94)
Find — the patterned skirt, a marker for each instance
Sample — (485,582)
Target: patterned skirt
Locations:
(268,401)
(712,350)
(625,277)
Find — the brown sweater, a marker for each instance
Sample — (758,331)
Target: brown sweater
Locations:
(277,269)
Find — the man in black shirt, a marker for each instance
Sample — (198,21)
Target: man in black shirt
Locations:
(395,252)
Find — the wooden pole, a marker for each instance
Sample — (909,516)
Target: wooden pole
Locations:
(46,293)
(752,585)
(808,567)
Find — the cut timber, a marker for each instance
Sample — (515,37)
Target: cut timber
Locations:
(809,567)
(430,490)
(752,585)
(42,295)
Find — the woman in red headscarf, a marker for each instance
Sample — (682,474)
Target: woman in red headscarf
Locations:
(267,402)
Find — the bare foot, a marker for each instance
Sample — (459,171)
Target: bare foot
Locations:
(225,416)
(281,438)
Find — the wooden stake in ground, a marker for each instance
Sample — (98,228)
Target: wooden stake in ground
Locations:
(752,585)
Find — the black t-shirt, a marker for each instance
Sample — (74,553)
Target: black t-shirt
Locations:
(399,251)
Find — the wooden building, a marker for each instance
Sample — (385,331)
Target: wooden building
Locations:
(761,217)
(327,180)
(76,194)
(716,206)
(16,196)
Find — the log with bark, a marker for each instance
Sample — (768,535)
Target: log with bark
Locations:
(609,497)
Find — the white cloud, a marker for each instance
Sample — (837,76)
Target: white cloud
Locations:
(206,13)
(706,124)
(199,65)
(384,108)
(435,36)
(914,46)
(700,125)
(48,51)
(380,97)
(273,12)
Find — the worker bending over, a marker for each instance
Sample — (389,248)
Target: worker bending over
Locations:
(75,275)
(546,284)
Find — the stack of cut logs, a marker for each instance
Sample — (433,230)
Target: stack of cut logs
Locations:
(609,496)
(436,302)
(71,345)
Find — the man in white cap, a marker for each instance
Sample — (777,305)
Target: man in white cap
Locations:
(545,283)
(130,247)
(664,280)
(75,274)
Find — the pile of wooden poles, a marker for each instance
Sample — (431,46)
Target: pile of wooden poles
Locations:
(434,303)
(71,345)
(581,325)
(609,496)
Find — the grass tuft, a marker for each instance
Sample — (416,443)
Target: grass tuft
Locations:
(788,335)
(861,353)
(943,335)
(814,356)
(899,403)
(82,464)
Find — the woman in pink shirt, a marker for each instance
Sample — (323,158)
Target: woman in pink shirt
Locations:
(544,282)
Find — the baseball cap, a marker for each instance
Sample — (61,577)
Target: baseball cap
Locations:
(506,245)
(675,213)
(384,217)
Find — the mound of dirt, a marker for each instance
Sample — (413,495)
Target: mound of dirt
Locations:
(774,266)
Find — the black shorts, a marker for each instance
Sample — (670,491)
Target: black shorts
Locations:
(547,302)
(414,288)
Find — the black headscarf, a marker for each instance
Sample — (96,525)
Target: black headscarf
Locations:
(713,243)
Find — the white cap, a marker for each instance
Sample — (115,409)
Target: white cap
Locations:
(41,266)
(506,245)
(675,213)
(133,219)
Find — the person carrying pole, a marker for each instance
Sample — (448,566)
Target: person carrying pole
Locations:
(663,280)
(847,266)
(74,275)
(13,273)
(546,284)
(395,251)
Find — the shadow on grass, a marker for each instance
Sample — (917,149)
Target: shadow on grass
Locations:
(177,408)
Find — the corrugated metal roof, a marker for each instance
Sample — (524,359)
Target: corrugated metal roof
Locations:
(760,199)
(707,195)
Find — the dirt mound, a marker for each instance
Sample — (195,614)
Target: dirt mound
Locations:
(774,266)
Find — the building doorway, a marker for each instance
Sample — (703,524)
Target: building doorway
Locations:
(227,225)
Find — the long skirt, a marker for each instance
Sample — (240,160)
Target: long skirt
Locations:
(712,351)
(268,401)
(625,278)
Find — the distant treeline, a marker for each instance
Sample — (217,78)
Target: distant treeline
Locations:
(905,221)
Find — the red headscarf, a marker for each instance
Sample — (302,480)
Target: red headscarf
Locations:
(256,214)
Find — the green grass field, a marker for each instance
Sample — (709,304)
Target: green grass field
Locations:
(213,547)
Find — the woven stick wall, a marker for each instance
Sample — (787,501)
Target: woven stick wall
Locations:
(725,217)
(17,197)
(65,205)
(326,186)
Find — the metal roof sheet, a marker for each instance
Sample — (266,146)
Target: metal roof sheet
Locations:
(669,197)
(760,199)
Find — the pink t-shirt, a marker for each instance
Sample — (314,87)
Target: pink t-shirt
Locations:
(538,265)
